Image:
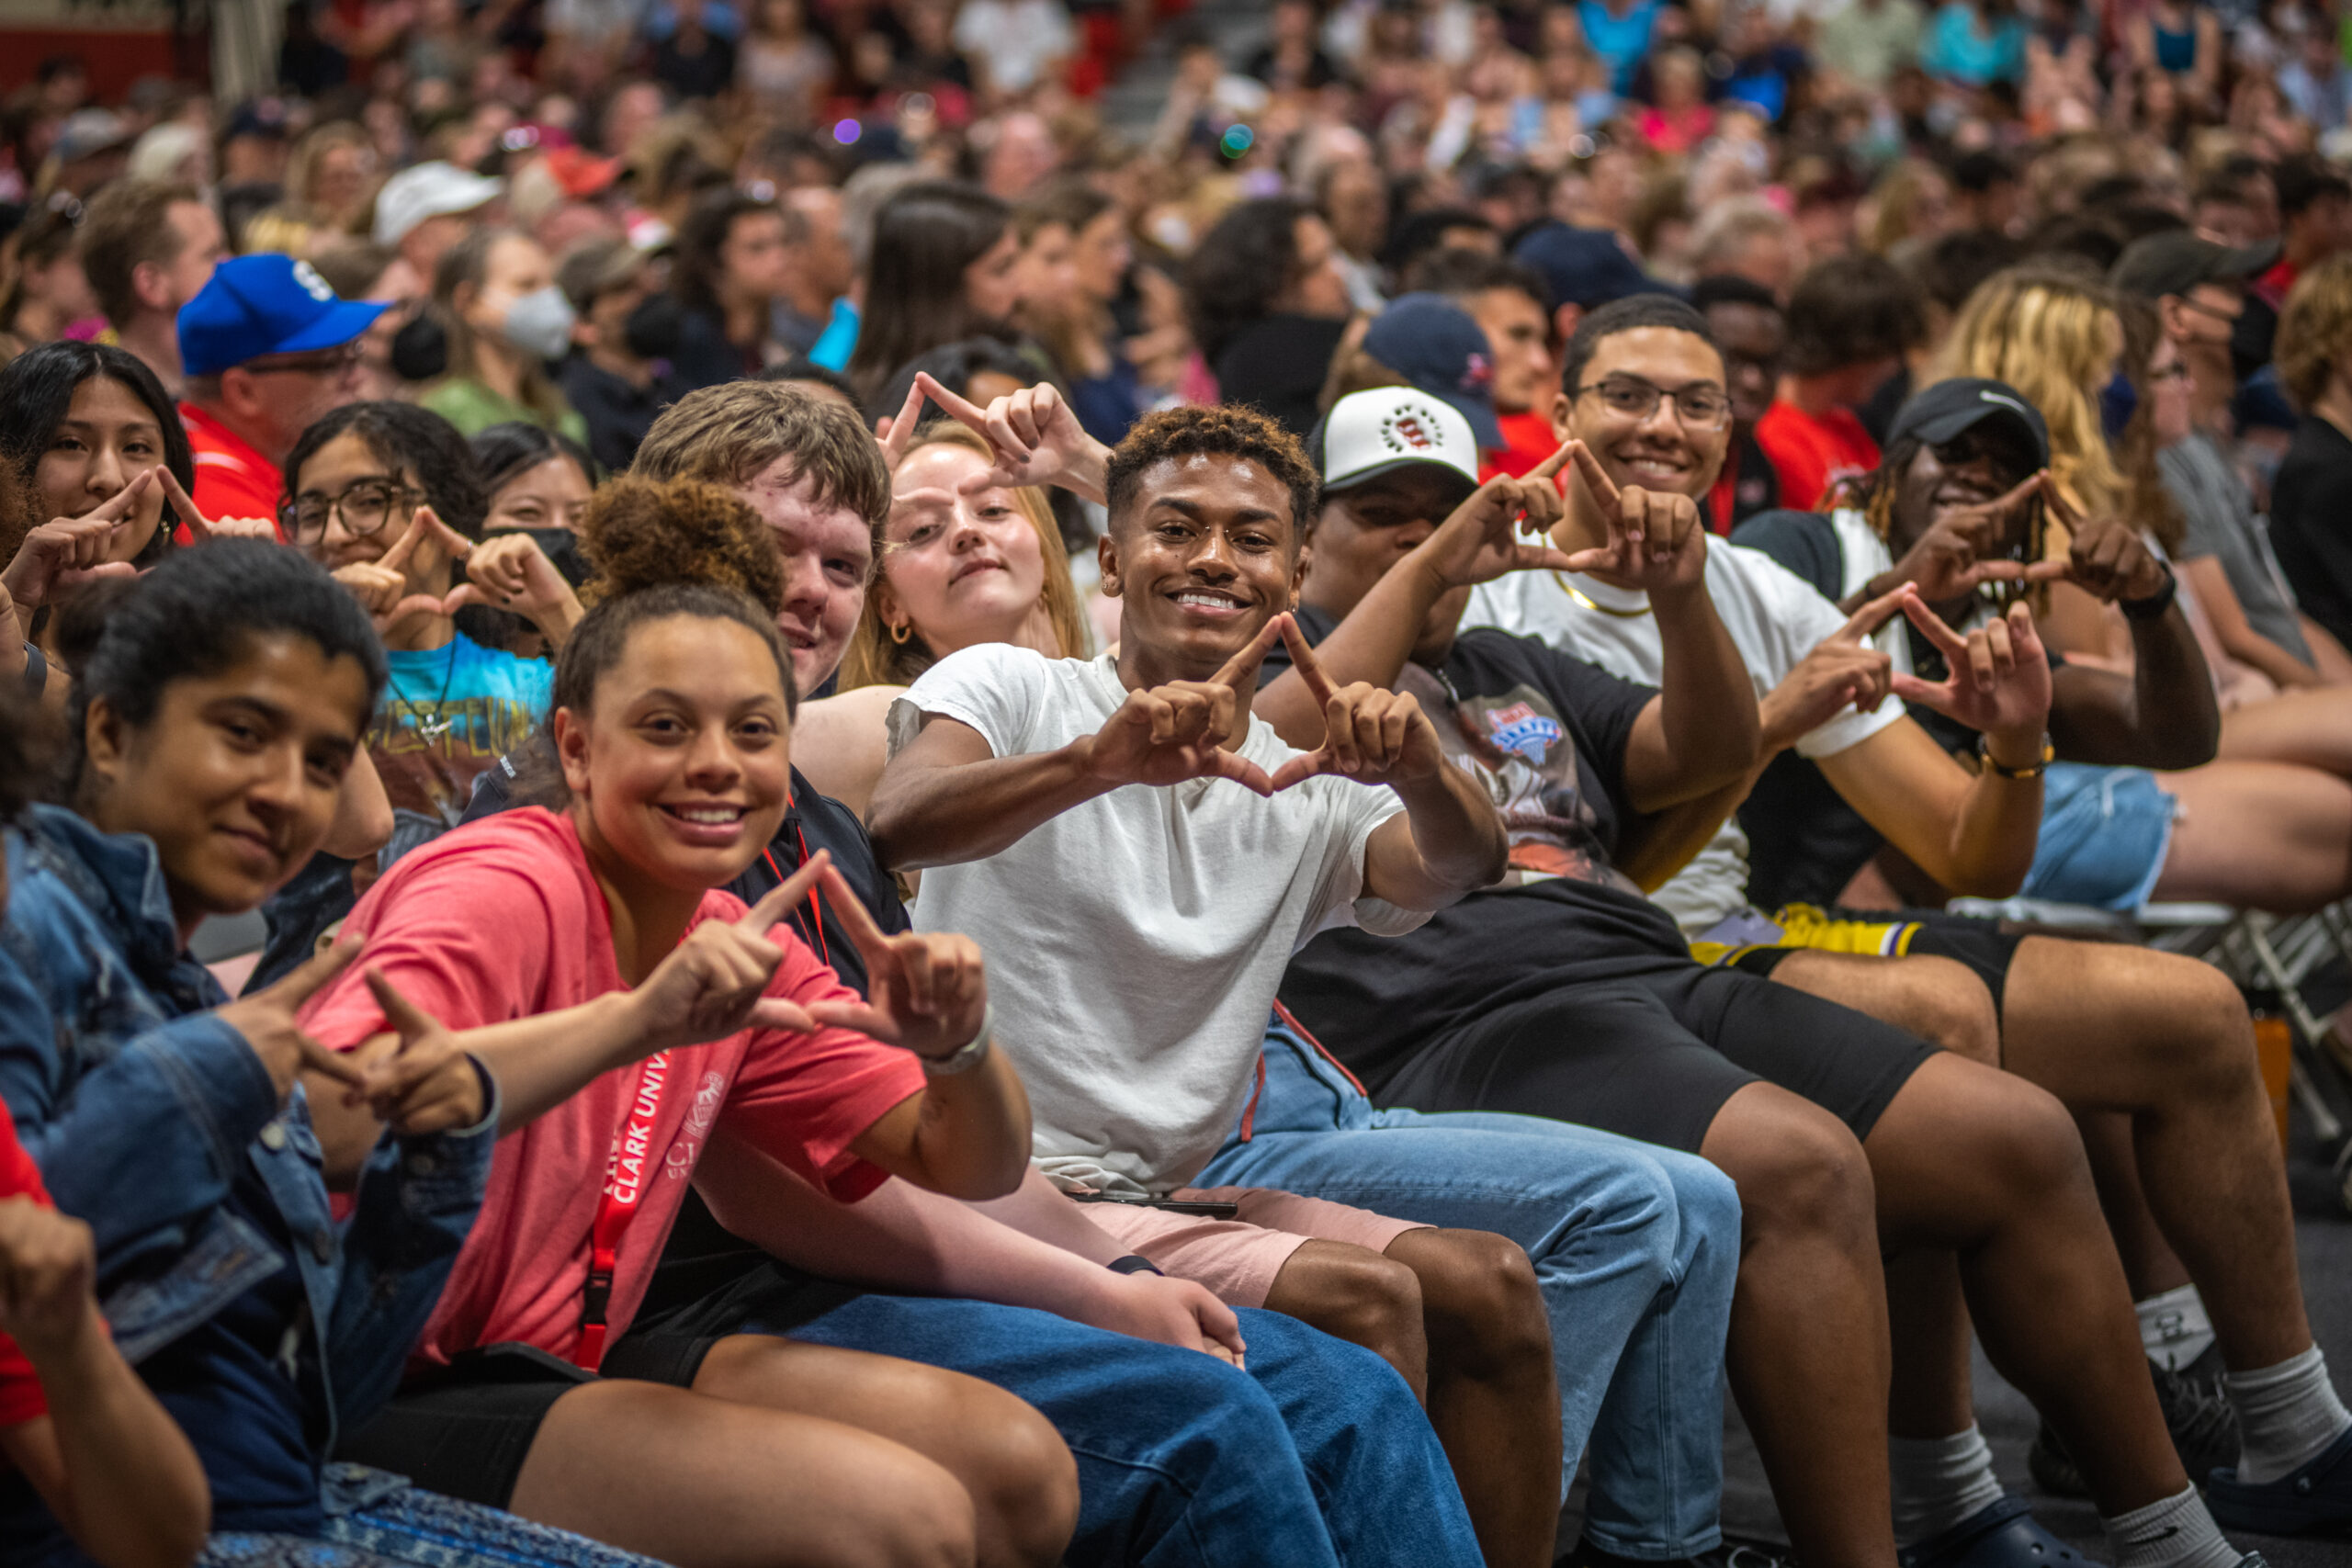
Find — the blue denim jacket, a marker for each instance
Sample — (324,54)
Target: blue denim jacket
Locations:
(137,1102)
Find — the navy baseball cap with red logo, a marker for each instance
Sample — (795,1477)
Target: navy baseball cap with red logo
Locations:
(1370,433)
(1438,346)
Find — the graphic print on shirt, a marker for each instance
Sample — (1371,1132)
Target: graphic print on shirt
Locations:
(1521,754)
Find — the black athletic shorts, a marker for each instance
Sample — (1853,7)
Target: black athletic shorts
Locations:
(1654,1055)
(1981,945)
(465,1429)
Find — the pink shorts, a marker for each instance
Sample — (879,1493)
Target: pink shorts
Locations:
(1236,1260)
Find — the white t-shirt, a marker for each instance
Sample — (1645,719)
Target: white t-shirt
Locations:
(1135,942)
(1015,38)
(1775,619)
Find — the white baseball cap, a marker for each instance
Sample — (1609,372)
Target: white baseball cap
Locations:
(1370,433)
(428,190)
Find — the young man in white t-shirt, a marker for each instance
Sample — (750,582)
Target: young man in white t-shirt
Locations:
(2102,1026)
(1146,855)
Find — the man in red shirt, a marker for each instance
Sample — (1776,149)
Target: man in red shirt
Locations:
(1513,307)
(268,348)
(1851,319)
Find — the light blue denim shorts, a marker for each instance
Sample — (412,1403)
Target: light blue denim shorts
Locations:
(2104,834)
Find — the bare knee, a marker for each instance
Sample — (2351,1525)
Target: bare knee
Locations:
(1952,1009)
(2204,1042)
(1359,1296)
(929,1521)
(1022,1481)
(1799,1170)
(2029,1140)
(1481,1305)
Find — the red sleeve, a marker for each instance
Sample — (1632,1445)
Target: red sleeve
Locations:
(805,1099)
(464,932)
(20,1393)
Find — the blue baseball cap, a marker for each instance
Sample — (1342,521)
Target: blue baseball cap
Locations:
(1435,345)
(262,305)
(1585,268)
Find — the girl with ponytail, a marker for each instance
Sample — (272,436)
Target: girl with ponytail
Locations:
(688,1023)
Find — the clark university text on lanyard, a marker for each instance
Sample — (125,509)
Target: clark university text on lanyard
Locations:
(626,1171)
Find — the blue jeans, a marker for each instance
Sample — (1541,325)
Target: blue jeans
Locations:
(1316,1457)
(1637,1248)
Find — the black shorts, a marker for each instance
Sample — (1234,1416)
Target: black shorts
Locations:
(465,1429)
(1981,945)
(1653,1055)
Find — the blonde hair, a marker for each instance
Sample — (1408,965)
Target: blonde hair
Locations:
(2053,333)
(2315,330)
(874,659)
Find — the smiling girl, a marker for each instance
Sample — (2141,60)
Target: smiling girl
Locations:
(672,727)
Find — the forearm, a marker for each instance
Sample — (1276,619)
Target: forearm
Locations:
(541,1062)
(134,1496)
(1043,1211)
(970,1138)
(1457,844)
(1993,837)
(927,815)
(1706,703)
(1371,646)
(901,1237)
(2175,711)
(2249,646)
(1658,847)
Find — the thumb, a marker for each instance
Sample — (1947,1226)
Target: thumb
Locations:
(1301,768)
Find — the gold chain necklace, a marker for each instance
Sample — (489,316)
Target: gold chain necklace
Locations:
(1572,592)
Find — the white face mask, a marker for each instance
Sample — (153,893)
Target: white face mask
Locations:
(540,322)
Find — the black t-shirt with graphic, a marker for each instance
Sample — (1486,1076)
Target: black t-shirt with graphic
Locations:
(1545,734)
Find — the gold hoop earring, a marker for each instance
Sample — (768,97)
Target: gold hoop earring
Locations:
(899,633)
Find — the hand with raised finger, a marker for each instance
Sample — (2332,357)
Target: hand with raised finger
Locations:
(1167,735)
(2108,559)
(426,1083)
(201,528)
(926,991)
(713,984)
(48,1271)
(267,1021)
(1373,736)
(376,587)
(66,552)
(1965,547)
(1999,674)
(510,572)
(1035,436)
(897,431)
(1482,539)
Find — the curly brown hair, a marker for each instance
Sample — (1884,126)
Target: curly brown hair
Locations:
(2315,330)
(1222,430)
(642,533)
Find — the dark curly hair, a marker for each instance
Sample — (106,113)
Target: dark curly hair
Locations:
(1240,268)
(1224,431)
(404,437)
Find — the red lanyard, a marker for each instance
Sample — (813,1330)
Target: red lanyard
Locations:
(814,921)
(630,1166)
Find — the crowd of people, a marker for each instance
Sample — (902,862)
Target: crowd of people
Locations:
(985,842)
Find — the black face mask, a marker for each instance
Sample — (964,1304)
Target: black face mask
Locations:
(420,350)
(653,329)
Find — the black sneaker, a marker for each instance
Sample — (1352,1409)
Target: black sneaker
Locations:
(2204,1429)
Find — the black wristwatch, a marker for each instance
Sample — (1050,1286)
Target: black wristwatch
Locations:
(1984,757)
(2155,603)
(1133,1263)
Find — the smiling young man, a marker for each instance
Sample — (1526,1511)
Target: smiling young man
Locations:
(1575,997)
(1149,925)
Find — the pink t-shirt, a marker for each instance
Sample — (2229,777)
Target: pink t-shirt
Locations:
(502,919)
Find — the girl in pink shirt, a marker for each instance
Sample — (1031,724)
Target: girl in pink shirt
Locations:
(681,1021)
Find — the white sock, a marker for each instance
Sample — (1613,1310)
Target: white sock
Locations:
(2173,1532)
(1939,1482)
(2174,1328)
(2286,1414)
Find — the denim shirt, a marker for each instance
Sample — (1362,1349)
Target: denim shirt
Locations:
(138,1103)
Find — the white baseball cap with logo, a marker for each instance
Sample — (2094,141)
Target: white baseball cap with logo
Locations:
(1378,432)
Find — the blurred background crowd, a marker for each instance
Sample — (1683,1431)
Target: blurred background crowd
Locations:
(581,209)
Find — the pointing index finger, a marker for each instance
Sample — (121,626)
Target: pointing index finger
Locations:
(199,525)
(1302,658)
(785,896)
(1550,467)
(868,938)
(395,558)
(1246,662)
(1595,478)
(959,409)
